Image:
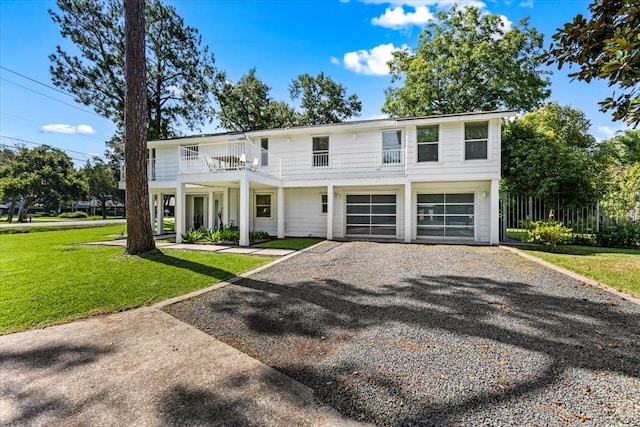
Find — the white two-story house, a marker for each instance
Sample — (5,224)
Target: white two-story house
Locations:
(431,178)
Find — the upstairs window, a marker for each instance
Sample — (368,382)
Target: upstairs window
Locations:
(320,151)
(428,138)
(392,146)
(476,136)
(264,144)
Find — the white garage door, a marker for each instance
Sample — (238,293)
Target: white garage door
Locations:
(371,215)
(446,215)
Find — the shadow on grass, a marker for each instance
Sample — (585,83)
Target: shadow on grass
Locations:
(294,326)
(157,255)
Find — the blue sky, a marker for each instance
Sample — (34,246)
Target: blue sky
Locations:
(349,40)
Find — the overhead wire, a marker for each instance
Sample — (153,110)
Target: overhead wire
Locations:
(36,81)
(44,124)
(52,146)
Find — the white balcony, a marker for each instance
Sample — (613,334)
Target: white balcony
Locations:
(157,170)
(222,157)
(345,164)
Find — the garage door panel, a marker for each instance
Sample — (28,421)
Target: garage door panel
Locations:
(373,214)
(455,215)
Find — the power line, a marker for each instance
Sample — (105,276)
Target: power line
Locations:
(44,124)
(18,147)
(50,97)
(36,81)
(52,146)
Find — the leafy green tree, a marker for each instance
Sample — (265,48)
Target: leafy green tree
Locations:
(247,105)
(102,183)
(606,46)
(41,175)
(179,71)
(466,61)
(7,155)
(549,152)
(622,149)
(322,100)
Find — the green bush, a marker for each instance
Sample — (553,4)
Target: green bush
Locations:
(258,235)
(625,234)
(582,240)
(76,214)
(548,233)
(192,236)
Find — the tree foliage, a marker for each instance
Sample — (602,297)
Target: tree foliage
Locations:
(467,61)
(548,152)
(41,175)
(247,104)
(322,100)
(622,149)
(606,46)
(101,182)
(179,70)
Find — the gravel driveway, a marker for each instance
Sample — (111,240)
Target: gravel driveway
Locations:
(397,334)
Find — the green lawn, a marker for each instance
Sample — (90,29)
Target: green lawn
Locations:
(290,243)
(46,279)
(618,268)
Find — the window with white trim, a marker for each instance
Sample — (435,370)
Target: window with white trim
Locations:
(476,137)
(264,144)
(324,203)
(263,205)
(320,151)
(428,138)
(392,146)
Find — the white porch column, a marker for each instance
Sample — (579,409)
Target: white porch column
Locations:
(330,197)
(180,212)
(160,214)
(152,213)
(280,213)
(244,210)
(408,218)
(494,213)
(210,212)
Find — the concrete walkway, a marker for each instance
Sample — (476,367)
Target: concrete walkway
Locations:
(144,367)
(63,223)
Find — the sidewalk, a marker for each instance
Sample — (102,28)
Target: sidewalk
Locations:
(63,223)
(144,367)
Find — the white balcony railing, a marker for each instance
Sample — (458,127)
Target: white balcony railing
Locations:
(157,170)
(243,155)
(348,164)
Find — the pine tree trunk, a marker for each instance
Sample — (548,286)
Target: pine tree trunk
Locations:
(139,230)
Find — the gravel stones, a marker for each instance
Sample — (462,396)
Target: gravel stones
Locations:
(397,334)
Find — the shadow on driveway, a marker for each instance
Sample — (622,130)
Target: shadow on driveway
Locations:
(502,339)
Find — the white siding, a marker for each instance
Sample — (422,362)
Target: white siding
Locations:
(303,212)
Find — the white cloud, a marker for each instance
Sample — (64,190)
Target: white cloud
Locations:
(506,24)
(335,61)
(68,129)
(526,3)
(606,132)
(397,18)
(370,62)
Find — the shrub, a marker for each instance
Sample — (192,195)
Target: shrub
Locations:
(582,240)
(192,236)
(229,234)
(549,233)
(258,235)
(625,234)
(76,214)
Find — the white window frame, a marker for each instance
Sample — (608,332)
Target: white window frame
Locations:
(389,158)
(320,158)
(324,204)
(264,151)
(259,206)
(424,143)
(465,141)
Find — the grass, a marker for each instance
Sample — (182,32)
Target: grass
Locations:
(290,243)
(46,279)
(40,219)
(618,268)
